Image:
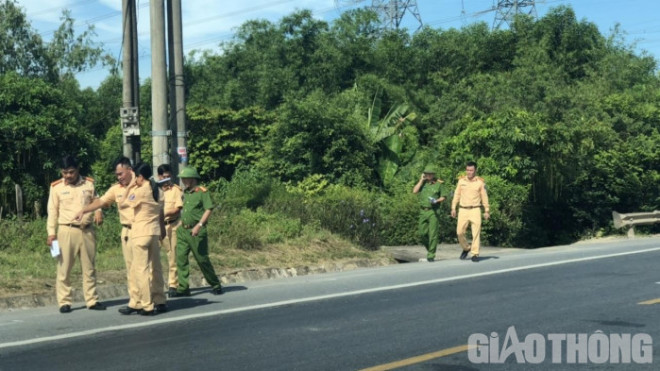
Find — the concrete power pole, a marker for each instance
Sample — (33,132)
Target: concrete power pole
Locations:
(177,85)
(159,125)
(128,113)
(506,10)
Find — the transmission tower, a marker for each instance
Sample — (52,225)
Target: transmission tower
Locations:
(391,12)
(506,10)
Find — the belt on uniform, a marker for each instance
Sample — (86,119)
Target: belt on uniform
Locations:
(167,222)
(469,207)
(71,225)
(127,226)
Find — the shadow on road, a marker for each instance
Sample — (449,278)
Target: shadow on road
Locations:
(194,301)
(186,303)
(487,257)
(173,304)
(226,289)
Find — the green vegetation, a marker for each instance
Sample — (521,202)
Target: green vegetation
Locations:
(311,135)
(242,237)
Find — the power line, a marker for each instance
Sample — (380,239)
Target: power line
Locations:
(50,10)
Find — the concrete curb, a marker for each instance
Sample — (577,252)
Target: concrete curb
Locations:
(196,281)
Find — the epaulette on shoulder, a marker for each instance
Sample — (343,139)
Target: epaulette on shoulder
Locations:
(200,189)
(53,184)
(480,178)
(89,179)
(176,186)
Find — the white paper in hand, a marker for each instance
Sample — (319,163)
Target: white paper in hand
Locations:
(55,249)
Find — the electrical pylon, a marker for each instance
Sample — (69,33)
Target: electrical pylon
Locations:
(391,12)
(506,10)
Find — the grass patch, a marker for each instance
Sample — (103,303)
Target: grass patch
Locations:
(26,266)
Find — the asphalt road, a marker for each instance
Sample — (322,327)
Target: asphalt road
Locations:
(418,316)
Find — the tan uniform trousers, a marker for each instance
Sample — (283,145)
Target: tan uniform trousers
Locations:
(169,245)
(146,274)
(127,251)
(76,242)
(473,218)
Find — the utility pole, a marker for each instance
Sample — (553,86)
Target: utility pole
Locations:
(160,132)
(506,10)
(128,113)
(179,153)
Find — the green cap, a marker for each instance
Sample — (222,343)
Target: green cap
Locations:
(429,169)
(189,172)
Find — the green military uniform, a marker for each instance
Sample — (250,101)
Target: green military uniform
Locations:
(195,202)
(428,225)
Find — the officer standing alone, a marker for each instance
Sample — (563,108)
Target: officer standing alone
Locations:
(429,191)
(192,235)
(470,196)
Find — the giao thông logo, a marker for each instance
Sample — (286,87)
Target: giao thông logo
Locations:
(569,348)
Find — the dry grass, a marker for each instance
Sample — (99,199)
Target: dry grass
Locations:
(39,275)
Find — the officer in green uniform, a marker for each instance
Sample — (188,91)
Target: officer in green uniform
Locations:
(430,192)
(192,235)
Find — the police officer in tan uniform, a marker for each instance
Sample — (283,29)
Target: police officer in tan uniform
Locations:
(172,210)
(469,197)
(148,227)
(117,194)
(75,238)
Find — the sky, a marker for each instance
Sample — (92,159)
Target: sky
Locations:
(207,23)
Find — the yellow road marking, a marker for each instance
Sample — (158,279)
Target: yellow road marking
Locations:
(418,359)
(649,302)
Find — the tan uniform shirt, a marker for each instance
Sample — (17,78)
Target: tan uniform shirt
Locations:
(470,193)
(66,200)
(117,193)
(145,211)
(173,201)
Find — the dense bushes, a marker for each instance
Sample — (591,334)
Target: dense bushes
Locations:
(563,121)
(258,210)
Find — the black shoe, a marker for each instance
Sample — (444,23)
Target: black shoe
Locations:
(171,292)
(217,291)
(475,258)
(160,308)
(430,260)
(464,254)
(128,310)
(65,308)
(97,306)
(177,294)
(143,312)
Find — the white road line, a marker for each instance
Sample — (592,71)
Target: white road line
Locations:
(313,298)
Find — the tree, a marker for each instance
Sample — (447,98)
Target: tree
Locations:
(26,53)
(37,127)
(23,50)
(223,140)
(316,136)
